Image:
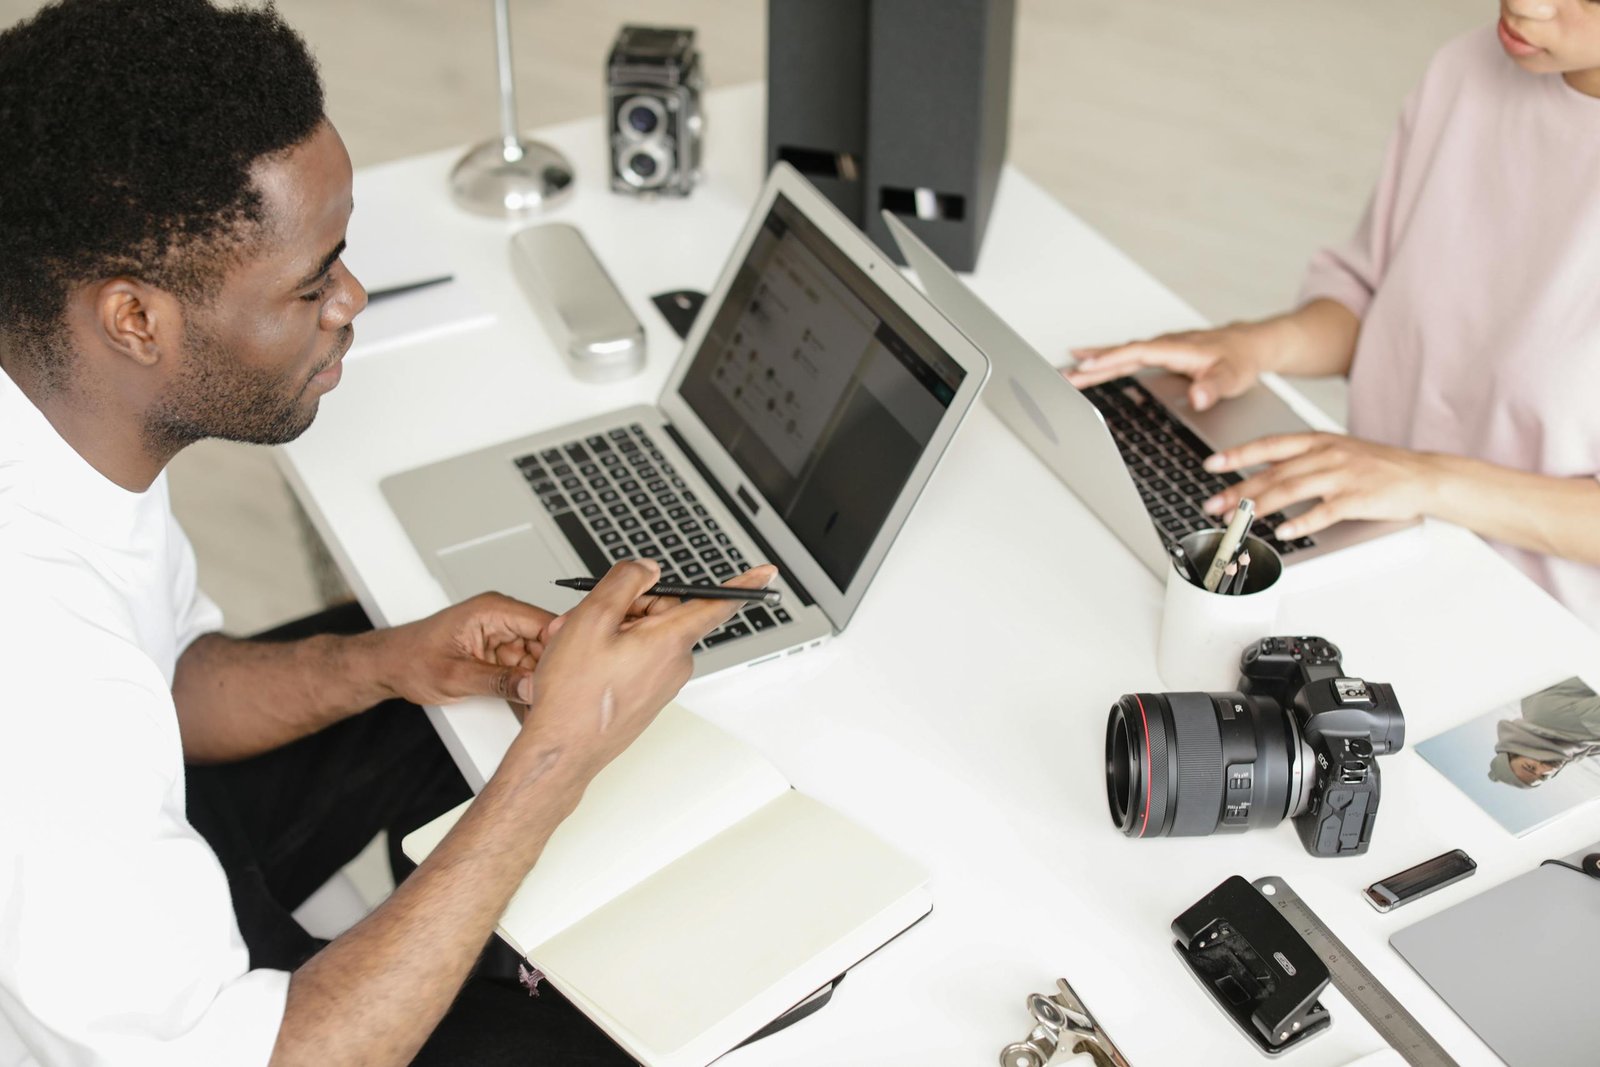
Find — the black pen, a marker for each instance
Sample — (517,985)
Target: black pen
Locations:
(771,597)
(374,295)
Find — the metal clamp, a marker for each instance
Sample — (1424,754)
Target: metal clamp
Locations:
(1063,1028)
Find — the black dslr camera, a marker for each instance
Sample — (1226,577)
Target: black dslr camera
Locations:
(1296,740)
(653,84)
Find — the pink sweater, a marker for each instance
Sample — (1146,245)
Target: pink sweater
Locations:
(1476,274)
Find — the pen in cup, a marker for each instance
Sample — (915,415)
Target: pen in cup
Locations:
(1229,545)
(770,597)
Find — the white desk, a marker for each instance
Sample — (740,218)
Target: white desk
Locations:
(962,715)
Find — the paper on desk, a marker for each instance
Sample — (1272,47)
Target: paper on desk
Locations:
(381,261)
(411,317)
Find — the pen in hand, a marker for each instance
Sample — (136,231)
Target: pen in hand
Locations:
(770,597)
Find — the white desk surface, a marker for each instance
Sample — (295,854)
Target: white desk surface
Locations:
(962,714)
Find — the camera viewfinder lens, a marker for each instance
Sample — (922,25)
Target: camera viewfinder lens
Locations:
(642,119)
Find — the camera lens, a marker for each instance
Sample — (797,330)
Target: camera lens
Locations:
(643,119)
(1192,764)
(642,165)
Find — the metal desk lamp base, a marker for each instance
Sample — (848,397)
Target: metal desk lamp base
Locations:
(510,176)
(508,181)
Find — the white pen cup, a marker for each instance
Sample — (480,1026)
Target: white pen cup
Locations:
(1204,633)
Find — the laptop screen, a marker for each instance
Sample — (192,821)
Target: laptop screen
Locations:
(821,389)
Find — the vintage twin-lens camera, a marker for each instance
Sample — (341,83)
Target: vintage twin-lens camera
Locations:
(653,82)
(1297,740)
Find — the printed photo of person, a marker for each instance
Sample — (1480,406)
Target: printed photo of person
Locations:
(1539,751)
(1558,726)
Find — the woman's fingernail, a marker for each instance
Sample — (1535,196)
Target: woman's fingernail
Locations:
(1213,506)
(1213,462)
(525,690)
(1286,531)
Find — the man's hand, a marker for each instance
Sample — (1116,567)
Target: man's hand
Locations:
(610,664)
(486,646)
(1354,479)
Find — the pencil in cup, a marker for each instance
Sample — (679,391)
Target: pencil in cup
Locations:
(1199,548)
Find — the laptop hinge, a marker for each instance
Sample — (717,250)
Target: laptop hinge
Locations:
(733,509)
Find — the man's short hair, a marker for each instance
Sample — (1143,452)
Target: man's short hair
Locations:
(129,128)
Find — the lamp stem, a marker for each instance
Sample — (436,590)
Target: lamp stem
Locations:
(510,136)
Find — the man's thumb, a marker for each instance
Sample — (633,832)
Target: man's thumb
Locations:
(507,683)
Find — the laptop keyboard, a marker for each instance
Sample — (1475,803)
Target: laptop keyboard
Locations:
(616,497)
(1164,456)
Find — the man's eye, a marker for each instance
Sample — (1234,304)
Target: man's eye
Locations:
(319,292)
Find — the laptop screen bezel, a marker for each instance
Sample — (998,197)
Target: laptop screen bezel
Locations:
(839,604)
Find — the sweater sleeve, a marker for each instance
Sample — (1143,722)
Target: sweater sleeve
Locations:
(1351,272)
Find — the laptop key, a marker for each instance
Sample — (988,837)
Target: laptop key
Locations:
(622,552)
(618,510)
(723,637)
(781,615)
(598,444)
(759,619)
(683,555)
(723,570)
(551,456)
(628,522)
(660,526)
(692,570)
(639,500)
(593,556)
(593,513)
(581,497)
(610,537)
(710,555)
(555,502)
(671,540)
(650,552)
(640,537)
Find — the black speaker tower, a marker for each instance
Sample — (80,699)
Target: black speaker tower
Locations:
(897,104)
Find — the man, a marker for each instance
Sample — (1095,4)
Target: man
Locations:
(172,210)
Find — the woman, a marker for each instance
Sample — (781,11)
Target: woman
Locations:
(1465,311)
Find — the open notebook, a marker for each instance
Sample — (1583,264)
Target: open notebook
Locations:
(694,896)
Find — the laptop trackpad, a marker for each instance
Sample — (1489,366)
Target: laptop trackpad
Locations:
(517,562)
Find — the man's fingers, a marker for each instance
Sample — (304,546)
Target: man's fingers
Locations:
(608,602)
(475,678)
(693,619)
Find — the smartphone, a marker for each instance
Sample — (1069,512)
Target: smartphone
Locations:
(1413,882)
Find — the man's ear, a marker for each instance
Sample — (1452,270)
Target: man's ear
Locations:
(137,320)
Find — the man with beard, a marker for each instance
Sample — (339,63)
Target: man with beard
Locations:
(173,207)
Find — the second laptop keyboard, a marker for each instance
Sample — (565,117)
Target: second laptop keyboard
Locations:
(615,496)
(1165,458)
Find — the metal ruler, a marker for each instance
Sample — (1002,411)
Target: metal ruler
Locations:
(1375,1003)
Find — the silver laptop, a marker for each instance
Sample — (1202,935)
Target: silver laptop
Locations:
(1130,448)
(812,401)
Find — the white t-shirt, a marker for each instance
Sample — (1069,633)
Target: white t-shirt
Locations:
(118,942)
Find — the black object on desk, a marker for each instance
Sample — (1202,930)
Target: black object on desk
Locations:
(1258,969)
(679,308)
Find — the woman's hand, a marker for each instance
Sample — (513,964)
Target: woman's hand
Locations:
(1353,479)
(1220,363)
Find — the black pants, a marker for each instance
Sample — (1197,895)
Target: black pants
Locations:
(284,822)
